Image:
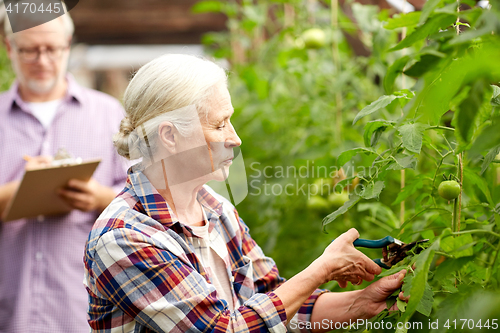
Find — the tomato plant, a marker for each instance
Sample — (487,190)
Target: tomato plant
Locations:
(420,101)
(444,122)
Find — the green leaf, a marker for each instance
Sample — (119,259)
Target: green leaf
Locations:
(422,66)
(419,281)
(391,271)
(497,220)
(495,99)
(411,134)
(433,25)
(489,138)
(401,304)
(346,156)
(490,156)
(450,306)
(429,6)
(373,190)
(474,178)
(373,130)
(392,73)
(403,162)
(409,189)
(453,245)
(380,103)
(450,266)
(403,20)
(353,199)
(441,86)
(376,135)
(425,305)
(468,109)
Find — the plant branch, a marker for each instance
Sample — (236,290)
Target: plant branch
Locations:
(476,231)
(461,178)
(441,127)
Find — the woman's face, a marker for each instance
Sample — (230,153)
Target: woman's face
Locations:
(207,153)
(219,133)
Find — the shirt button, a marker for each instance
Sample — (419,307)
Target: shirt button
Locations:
(40,218)
(39,255)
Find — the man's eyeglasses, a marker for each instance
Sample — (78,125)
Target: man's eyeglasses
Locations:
(31,54)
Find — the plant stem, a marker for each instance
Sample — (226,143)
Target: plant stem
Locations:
(441,127)
(461,174)
(402,206)
(289,15)
(420,212)
(476,231)
(336,61)
(454,219)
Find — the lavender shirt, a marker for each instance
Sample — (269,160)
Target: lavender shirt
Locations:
(41,260)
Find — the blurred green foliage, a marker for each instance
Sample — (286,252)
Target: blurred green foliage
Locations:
(408,111)
(293,111)
(6,72)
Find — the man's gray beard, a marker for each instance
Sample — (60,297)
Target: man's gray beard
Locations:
(34,85)
(41,87)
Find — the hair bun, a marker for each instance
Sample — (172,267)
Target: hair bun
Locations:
(124,139)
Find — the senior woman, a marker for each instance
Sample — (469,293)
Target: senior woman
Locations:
(171,255)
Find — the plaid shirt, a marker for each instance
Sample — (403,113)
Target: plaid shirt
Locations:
(142,273)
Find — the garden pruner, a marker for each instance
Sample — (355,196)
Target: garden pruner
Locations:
(393,250)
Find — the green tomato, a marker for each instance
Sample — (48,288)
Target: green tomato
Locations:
(314,38)
(337,200)
(318,203)
(449,189)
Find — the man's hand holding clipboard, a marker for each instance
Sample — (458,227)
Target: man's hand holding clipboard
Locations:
(56,186)
(86,196)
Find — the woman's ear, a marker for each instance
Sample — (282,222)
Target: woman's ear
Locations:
(168,136)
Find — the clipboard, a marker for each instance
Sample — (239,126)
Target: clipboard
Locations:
(37,192)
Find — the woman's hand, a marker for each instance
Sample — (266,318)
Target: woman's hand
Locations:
(342,262)
(374,296)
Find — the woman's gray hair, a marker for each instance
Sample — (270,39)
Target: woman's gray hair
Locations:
(163,90)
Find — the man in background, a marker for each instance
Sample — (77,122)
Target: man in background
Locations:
(41,265)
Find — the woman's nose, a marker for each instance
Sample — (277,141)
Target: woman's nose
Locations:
(233,140)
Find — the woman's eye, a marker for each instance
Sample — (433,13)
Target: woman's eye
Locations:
(221,126)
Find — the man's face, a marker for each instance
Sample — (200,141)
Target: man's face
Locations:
(40,55)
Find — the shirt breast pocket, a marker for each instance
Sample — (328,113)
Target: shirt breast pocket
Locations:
(242,278)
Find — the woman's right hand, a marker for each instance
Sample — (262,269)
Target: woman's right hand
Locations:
(342,262)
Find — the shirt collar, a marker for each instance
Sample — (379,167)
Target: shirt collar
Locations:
(74,91)
(155,205)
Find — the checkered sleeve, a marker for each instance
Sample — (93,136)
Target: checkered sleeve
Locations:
(267,278)
(161,290)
